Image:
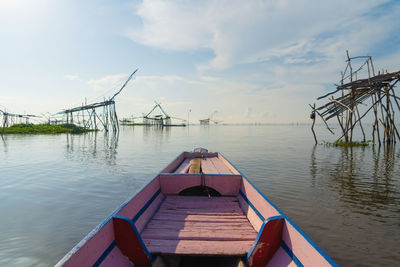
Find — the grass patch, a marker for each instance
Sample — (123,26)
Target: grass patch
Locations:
(29,128)
(343,143)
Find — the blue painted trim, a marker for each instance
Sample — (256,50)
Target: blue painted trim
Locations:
(137,234)
(105,254)
(259,234)
(252,206)
(309,240)
(107,219)
(143,209)
(255,241)
(291,254)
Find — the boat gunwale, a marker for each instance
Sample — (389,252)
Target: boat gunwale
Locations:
(285,247)
(297,228)
(109,218)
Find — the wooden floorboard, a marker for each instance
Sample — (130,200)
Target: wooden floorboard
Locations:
(190,225)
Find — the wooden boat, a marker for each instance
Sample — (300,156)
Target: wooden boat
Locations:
(198,211)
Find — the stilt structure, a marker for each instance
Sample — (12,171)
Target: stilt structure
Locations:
(93,116)
(162,119)
(376,89)
(8,119)
(210,118)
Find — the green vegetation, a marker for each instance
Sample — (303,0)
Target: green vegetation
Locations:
(343,143)
(30,128)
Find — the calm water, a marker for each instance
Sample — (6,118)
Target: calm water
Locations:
(55,189)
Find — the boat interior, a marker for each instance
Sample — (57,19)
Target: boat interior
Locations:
(198,211)
(198,214)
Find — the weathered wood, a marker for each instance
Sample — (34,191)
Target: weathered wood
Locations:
(195,166)
(200,219)
(199,247)
(184,167)
(207,166)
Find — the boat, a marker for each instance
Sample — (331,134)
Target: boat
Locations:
(198,211)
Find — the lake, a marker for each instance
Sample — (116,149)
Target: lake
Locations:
(54,189)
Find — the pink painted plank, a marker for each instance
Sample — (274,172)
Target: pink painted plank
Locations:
(173,184)
(181,199)
(226,185)
(227,164)
(197,247)
(174,164)
(116,258)
(200,218)
(149,212)
(210,234)
(220,166)
(138,201)
(303,250)
(282,259)
(90,248)
(199,204)
(184,167)
(207,166)
(258,200)
(255,221)
(200,225)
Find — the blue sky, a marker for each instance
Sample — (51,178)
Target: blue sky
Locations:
(253,61)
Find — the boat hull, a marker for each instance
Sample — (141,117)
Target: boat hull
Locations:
(216,212)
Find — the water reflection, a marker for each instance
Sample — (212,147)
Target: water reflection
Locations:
(99,146)
(364,177)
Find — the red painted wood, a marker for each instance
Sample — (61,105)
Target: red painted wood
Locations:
(268,243)
(199,247)
(129,243)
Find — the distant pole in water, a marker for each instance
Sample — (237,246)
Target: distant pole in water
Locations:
(188,116)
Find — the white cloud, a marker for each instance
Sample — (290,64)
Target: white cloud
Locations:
(71,77)
(254,31)
(109,82)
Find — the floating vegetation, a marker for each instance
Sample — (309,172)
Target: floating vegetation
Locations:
(343,143)
(29,128)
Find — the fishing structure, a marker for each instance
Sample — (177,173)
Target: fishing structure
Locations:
(152,118)
(210,118)
(91,116)
(376,93)
(9,119)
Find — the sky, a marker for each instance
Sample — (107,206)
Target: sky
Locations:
(252,61)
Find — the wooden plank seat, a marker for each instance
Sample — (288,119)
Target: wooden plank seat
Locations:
(196,225)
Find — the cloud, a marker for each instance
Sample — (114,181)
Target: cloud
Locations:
(257,31)
(109,82)
(71,77)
